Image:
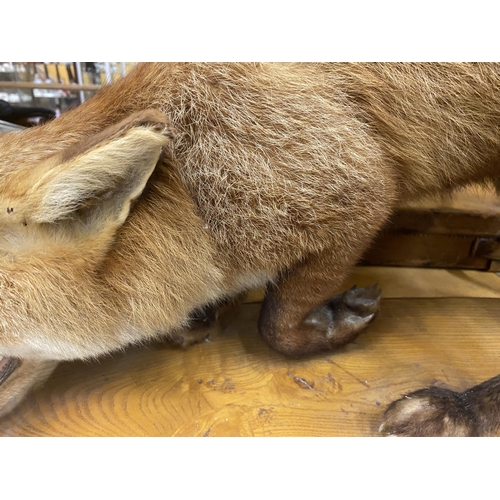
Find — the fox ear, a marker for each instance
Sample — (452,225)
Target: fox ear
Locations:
(103,174)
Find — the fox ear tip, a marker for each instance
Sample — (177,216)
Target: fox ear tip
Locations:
(152,119)
(118,160)
(169,132)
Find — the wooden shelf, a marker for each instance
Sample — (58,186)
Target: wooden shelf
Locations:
(435,327)
(53,86)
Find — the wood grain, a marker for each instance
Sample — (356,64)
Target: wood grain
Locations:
(234,385)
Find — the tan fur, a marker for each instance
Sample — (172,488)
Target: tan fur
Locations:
(269,173)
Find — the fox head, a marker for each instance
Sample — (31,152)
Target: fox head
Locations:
(58,218)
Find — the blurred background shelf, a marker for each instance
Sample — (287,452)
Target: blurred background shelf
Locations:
(56,85)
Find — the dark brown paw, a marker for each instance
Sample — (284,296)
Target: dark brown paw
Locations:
(347,314)
(187,338)
(429,412)
(203,317)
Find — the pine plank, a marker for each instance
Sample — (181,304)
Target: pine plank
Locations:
(235,385)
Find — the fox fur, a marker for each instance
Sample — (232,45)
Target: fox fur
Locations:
(183,184)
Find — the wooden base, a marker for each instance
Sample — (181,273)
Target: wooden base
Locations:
(435,327)
(458,232)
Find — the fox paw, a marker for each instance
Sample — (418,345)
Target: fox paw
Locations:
(347,314)
(429,412)
(187,338)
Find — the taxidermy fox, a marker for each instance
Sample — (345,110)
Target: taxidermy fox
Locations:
(183,184)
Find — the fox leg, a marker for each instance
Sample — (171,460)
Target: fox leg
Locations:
(301,315)
(19,377)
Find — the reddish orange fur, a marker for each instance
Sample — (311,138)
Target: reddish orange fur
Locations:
(278,173)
